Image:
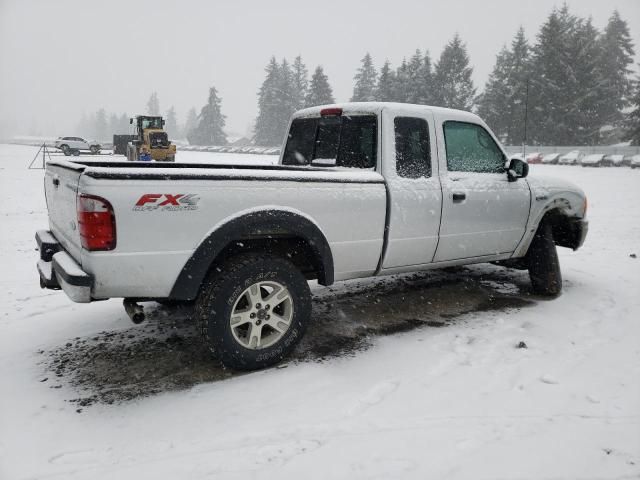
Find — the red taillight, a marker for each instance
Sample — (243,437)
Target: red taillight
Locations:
(326,112)
(96,223)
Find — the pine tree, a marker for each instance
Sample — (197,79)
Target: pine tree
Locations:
(617,55)
(101,125)
(211,122)
(153,105)
(365,81)
(453,86)
(632,132)
(266,129)
(171,125)
(320,92)
(114,123)
(414,78)
(386,81)
(401,82)
(191,122)
(300,82)
(286,99)
(426,87)
(504,101)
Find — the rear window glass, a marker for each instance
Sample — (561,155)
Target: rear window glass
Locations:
(350,141)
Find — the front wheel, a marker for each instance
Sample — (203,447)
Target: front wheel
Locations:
(254,310)
(65,149)
(95,150)
(544,266)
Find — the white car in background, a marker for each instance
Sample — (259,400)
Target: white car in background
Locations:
(613,161)
(570,158)
(550,158)
(593,160)
(75,145)
(635,161)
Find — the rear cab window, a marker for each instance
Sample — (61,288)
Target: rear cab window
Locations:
(344,140)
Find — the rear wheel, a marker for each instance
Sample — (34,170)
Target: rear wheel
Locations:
(544,266)
(254,311)
(65,150)
(95,149)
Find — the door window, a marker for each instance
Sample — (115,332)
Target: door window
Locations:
(470,148)
(413,155)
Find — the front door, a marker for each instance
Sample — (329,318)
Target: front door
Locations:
(483,213)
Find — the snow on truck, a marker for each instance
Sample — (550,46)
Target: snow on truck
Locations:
(361,189)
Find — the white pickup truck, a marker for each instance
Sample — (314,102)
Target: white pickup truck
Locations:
(361,189)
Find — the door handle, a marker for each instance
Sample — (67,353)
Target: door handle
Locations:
(459,197)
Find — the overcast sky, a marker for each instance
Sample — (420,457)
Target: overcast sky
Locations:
(61,58)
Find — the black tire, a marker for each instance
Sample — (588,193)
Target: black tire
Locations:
(65,150)
(544,266)
(75,153)
(95,150)
(228,287)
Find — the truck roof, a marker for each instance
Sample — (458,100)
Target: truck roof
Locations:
(377,107)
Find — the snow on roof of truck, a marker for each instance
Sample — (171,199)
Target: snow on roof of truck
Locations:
(377,107)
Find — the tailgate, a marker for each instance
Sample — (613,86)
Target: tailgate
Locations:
(61,188)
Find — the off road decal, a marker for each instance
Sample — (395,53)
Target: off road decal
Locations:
(167,202)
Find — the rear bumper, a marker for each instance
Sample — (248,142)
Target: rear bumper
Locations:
(58,270)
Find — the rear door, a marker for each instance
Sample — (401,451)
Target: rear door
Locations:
(61,188)
(483,213)
(415,194)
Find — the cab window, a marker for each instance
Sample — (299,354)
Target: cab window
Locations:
(470,148)
(413,154)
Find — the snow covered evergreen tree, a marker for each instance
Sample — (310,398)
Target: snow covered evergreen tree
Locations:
(190,123)
(365,81)
(426,87)
(267,130)
(453,86)
(211,122)
(633,119)
(401,83)
(414,87)
(617,55)
(286,100)
(101,126)
(171,125)
(503,102)
(384,89)
(153,105)
(300,82)
(320,92)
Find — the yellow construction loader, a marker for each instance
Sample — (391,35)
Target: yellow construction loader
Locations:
(150,138)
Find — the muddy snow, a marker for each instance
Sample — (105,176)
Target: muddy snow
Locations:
(461,373)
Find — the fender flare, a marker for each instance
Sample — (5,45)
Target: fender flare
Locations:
(256,224)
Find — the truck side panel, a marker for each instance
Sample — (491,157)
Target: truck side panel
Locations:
(161,223)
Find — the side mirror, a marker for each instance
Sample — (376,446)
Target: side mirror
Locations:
(517,169)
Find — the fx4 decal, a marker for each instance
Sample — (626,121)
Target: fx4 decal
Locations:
(167,202)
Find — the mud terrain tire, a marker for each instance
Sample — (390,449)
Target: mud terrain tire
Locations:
(253,310)
(544,266)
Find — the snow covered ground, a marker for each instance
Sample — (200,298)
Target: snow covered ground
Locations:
(450,397)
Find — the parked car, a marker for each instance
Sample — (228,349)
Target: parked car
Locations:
(551,158)
(612,160)
(593,160)
(635,161)
(626,161)
(534,157)
(75,145)
(361,190)
(570,158)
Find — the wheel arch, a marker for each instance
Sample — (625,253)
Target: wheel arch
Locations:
(279,230)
